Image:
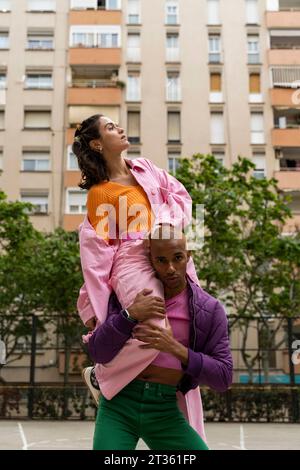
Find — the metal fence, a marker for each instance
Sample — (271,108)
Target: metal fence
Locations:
(268,391)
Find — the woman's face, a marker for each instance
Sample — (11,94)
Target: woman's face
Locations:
(113,138)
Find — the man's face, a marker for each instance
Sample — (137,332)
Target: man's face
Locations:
(169,259)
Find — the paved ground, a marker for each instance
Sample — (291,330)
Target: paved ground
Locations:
(53,435)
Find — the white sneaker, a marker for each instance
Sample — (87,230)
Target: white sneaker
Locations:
(86,375)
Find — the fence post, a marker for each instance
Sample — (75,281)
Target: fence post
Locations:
(294,393)
(32,367)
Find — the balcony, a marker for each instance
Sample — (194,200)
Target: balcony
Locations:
(71,222)
(288,180)
(283,19)
(283,97)
(104,95)
(284,57)
(286,138)
(71,179)
(95,17)
(95,56)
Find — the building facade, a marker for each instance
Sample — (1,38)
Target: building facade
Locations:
(182,76)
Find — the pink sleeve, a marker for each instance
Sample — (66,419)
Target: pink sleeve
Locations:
(96,261)
(177,203)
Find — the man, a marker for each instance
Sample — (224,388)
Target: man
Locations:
(193,349)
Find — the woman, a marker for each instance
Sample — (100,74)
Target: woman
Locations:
(125,200)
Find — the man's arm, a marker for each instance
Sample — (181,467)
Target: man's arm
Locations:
(110,337)
(214,366)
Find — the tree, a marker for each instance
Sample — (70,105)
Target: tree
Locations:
(18,240)
(59,269)
(245,260)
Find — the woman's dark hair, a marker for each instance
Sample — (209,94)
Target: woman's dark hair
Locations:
(91,163)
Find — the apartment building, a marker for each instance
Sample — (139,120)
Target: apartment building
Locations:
(209,76)
(33,54)
(182,76)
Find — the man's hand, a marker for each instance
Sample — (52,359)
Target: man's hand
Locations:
(146,306)
(161,339)
(91,323)
(158,338)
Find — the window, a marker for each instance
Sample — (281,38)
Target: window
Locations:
(173,86)
(174,127)
(173,162)
(95,36)
(259,159)
(255,95)
(172,13)
(72,160)
(285,38)
(37,120)
(41,5)
(133,155)
(2,81)
(133,48)
(287,5)
(76,201)
(39,201)
(1,160)
(113,5)
(294,204)
(2,118)
(257,128)
(38,81)
(4,40)
(216,95)
(36,161)
(213,7)
(133,126)
(214,48)
(253,50)
(83,4)
(5,5)
(217,128)
(134,15)
(272,5)
(172,51)
(107,40)
(219,156)
(133,87)
(82,40)
(40,40)
(286,77)
(252,12)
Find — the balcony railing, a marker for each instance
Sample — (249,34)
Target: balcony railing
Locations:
(93,84)
(284,46)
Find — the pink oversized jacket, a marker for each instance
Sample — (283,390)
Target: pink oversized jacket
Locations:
(170,203)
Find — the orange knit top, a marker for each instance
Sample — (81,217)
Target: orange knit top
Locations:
(114,209)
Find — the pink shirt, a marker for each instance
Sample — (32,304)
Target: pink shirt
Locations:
(178,315)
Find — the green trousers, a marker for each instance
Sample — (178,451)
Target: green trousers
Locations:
(144,410)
